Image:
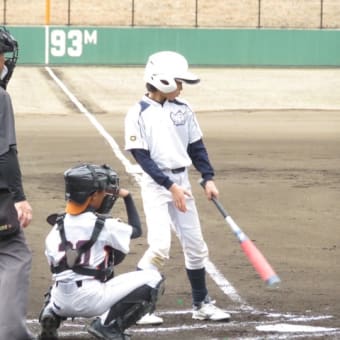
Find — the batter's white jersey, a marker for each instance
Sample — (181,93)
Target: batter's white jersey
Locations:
(165,130)
(78,229)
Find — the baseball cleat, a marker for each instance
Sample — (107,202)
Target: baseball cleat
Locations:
(208,311)
(150,319)
(50,323)
(110,332)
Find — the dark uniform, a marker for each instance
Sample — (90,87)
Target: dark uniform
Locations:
(15,256)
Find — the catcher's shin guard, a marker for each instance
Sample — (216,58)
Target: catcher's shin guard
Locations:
(47,298)
(132,307)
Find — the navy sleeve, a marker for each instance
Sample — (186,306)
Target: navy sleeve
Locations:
(133,216)
(143,158)
(199,156)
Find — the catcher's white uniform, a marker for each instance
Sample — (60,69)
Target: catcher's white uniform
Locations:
(80,295)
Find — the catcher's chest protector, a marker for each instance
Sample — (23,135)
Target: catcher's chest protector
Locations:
(73,256)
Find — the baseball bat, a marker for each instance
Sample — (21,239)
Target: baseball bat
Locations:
(255,257)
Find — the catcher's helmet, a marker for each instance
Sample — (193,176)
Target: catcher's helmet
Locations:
(83,180)
(7,45)
(164,68)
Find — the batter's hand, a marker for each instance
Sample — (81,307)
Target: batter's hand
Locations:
(210,189)
(178,196)
(123,192)
(24,211)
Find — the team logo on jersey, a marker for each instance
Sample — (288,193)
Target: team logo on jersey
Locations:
(178,117)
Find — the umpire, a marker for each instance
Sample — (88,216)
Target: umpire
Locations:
(15,211)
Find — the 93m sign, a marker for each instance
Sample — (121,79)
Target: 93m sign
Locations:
(70,43)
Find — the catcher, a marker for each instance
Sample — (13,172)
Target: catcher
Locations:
(82,248)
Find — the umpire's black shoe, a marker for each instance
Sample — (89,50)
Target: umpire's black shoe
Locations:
(49,322)
(110,332)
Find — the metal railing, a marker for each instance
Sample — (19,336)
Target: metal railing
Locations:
(133,16)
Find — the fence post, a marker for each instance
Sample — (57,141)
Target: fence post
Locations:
(259,15)
(196,13)
(133,13)
(321,14)
(5,8)
(69,13)
(47,12)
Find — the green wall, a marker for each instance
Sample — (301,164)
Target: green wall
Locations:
(31,44)
(212,47)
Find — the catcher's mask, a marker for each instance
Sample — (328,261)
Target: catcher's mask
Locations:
(8,47)
(164,68)
(83,180)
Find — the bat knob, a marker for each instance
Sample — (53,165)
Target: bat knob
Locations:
(273,281)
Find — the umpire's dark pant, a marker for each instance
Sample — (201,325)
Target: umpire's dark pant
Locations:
(15,267)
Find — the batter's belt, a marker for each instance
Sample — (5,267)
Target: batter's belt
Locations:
(177,171)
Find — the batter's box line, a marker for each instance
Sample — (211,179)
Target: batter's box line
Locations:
(80,322)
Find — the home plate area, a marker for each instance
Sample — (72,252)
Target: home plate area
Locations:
(243,325)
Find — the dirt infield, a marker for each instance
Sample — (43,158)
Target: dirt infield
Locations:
(273,137)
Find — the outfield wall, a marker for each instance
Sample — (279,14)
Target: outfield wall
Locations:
(65,45)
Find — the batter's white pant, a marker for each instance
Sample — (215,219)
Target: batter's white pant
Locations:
(162,216)
(95,298)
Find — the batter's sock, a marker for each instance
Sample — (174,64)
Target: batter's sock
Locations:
(198,285)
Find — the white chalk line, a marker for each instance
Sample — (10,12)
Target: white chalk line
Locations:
(216,275)
(286,327)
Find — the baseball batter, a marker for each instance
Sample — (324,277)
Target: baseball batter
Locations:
(163,135)
(82,249)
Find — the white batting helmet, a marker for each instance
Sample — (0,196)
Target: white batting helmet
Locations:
(163,68)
